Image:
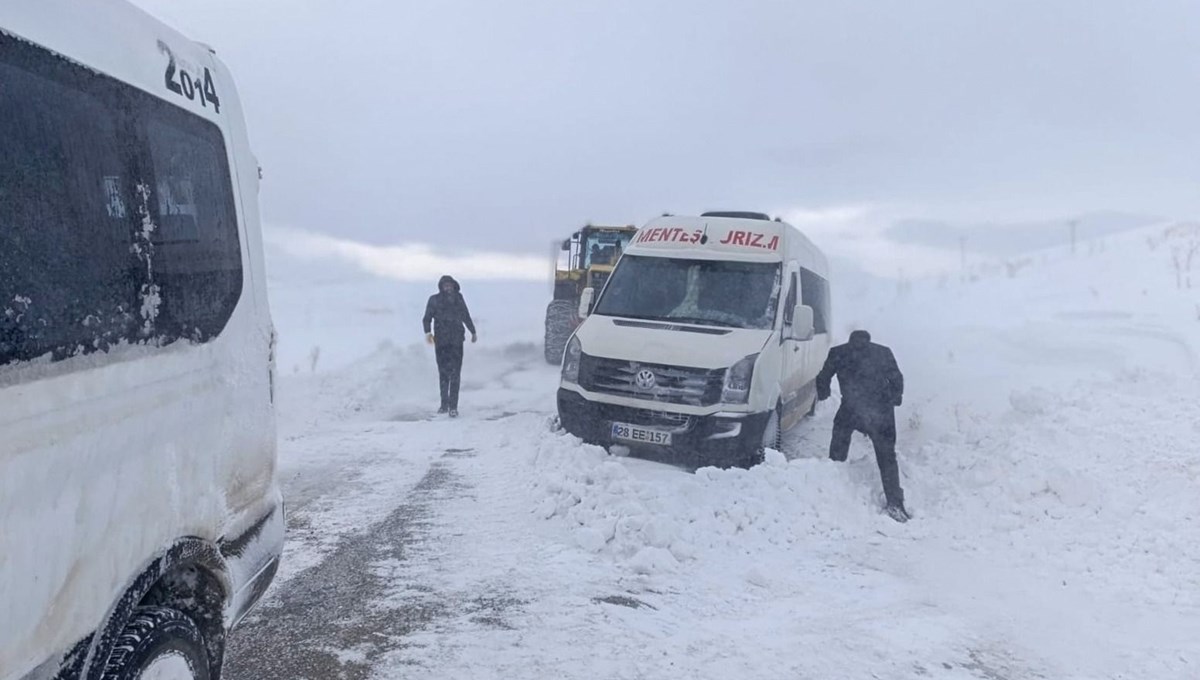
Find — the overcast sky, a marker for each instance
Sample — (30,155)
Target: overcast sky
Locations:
(503,125)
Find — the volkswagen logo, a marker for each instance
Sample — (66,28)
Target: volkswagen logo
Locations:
(645,380)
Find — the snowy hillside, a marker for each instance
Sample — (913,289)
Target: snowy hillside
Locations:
(329,313)
(1015,238)
(1048,444)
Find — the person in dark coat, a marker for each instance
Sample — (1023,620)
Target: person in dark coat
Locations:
(872,388)
(446,315)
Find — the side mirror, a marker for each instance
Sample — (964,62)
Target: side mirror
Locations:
(803,327)
(585,302)
(566,245)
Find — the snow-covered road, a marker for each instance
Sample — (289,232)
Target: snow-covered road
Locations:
(1049,450)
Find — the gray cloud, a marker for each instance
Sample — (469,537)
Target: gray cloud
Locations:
(483,125)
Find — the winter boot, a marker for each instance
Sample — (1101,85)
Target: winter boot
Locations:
(897,512)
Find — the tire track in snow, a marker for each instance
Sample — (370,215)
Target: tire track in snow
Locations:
(370,591)
(326,622)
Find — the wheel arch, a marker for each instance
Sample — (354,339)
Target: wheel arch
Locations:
(191,576)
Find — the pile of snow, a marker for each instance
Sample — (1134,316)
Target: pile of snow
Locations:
(653,518)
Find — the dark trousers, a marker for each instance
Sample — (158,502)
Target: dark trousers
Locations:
(880,426)
(449,361)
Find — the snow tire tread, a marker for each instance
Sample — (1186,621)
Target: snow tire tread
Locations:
(153,630)
(560,318)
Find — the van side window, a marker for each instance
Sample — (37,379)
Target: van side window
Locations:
(197,256)
(789,305)
(814,292)
(67,277)
(117,218)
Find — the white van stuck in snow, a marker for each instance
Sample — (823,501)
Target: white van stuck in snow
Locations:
(706,341)
(140,517)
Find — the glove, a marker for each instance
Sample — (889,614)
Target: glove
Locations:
(822,395)
(474,338)
(429,338)
(898,400)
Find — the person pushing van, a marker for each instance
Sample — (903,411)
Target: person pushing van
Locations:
(872,388)
(446,314)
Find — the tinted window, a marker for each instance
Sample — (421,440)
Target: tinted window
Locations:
(789,305)
(117,221)
(197,259)
(814,292)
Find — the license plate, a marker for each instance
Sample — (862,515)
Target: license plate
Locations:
(641,435)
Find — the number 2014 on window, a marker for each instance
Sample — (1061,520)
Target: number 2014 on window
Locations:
(183,84)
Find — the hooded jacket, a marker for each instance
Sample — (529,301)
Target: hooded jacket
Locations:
(871,381)
(446,314)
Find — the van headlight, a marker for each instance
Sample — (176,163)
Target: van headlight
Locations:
(570,367)
(737,381)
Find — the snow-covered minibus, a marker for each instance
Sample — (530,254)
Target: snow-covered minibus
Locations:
(706,341)
(140,518)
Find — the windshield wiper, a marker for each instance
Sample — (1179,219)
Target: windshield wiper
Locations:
(674,319)
(702,322)
(639,317)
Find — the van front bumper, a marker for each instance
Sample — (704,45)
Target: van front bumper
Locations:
(720,439)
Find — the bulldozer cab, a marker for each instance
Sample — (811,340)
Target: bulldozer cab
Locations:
(587,259)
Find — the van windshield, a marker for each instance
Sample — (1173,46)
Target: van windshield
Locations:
(706,292)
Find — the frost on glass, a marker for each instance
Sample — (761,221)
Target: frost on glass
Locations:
(149,297)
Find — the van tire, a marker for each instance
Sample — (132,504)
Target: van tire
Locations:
(772,432)
(154,635)
(560,323)
(772,437)
(750,460)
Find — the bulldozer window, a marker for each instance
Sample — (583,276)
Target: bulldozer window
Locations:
(603,248)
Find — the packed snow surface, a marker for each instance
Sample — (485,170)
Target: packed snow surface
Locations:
(1049,450)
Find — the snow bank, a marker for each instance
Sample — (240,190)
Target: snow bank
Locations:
(653,519)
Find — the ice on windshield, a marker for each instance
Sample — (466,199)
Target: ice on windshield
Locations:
(732,294)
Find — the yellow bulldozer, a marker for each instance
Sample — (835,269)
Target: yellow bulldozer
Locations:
(585,260)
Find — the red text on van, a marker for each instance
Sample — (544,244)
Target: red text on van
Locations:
(750,239)
(669,235)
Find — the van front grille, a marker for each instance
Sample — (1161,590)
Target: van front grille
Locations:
(654,382)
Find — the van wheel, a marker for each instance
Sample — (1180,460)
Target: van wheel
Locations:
(772,436)
(158,644)
(771,439)
(750,460)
